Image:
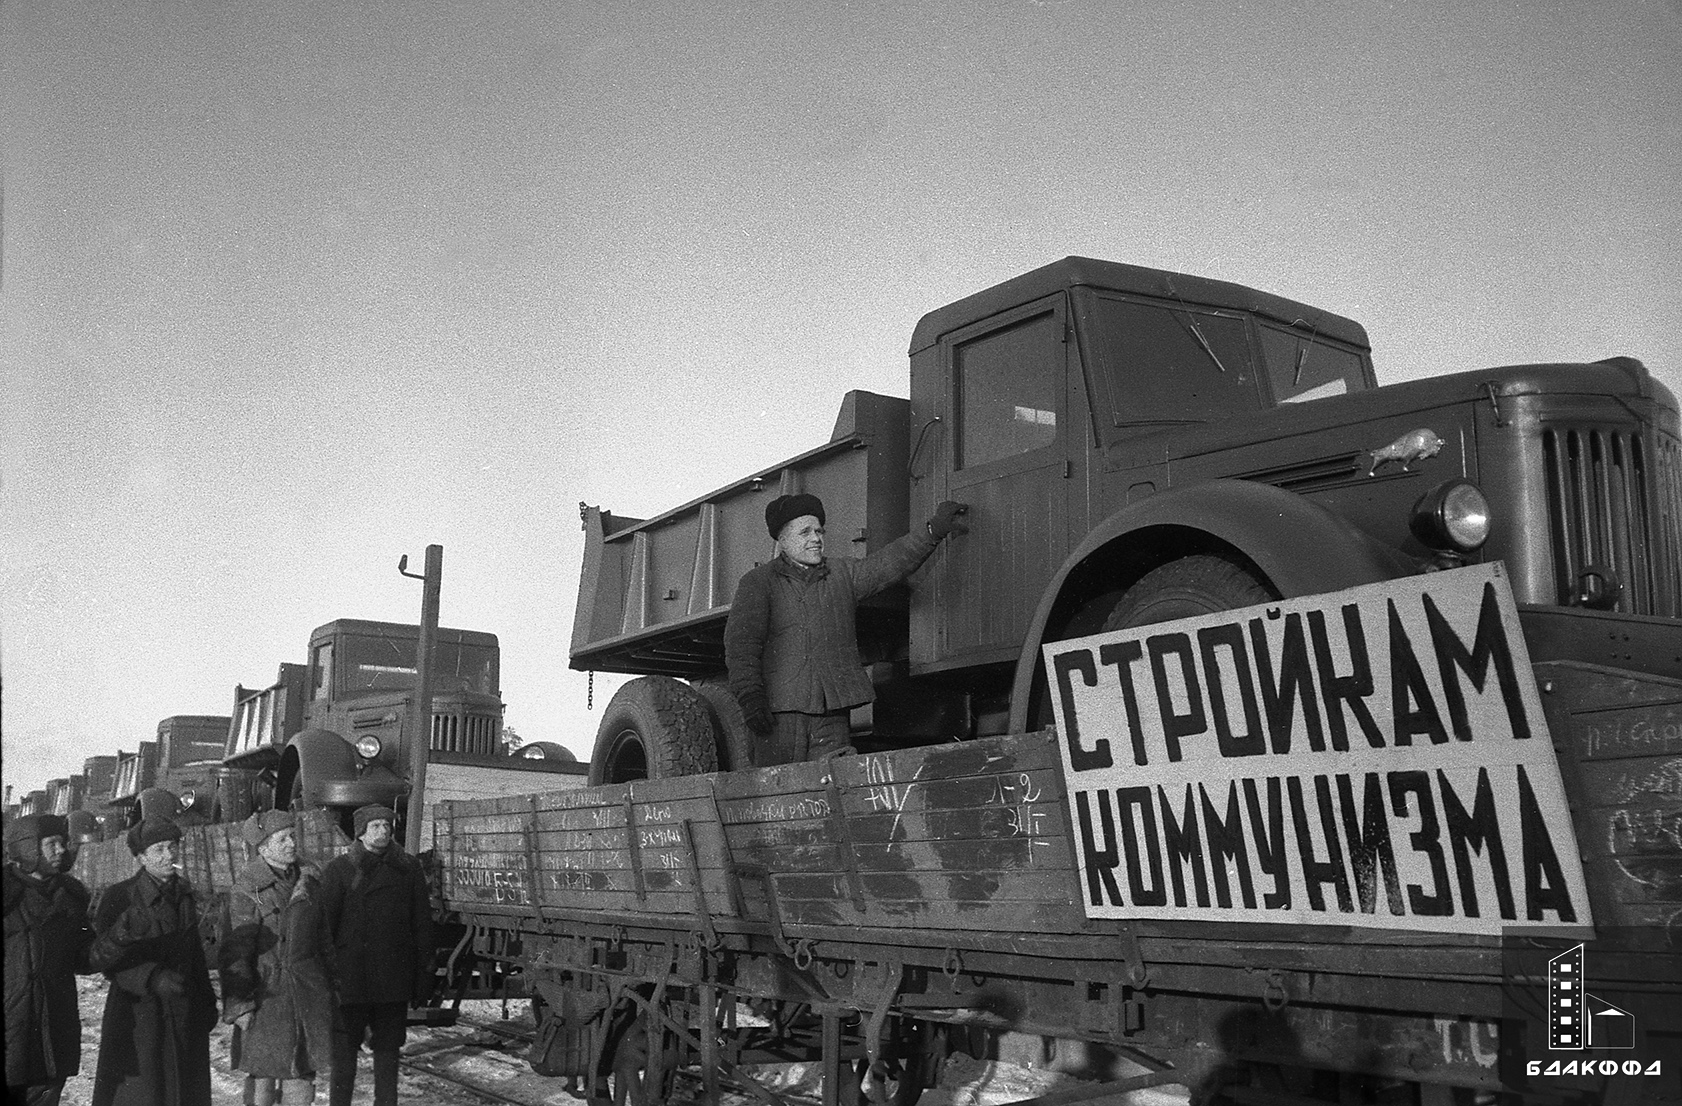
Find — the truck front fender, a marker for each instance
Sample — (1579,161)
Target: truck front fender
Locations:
(1299,547)
(330,774)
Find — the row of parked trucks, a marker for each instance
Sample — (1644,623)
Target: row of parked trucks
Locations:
(1270,732)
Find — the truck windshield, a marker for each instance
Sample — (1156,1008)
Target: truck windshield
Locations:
(1168,364)
(388,664)
(1302,368)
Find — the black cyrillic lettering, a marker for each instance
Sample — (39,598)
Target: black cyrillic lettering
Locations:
(1066,664)
(1476,831)
(1411,703)
(1267,830)
(1225,841)
(1315,871)
(1544,880)
(1351,690)
(1294,685)
(1100,863)
(1424,840)
(1194,721)
(1127,798)
(1121,655)
(1253,742)
(1183,844)
(1371,855)
(1488,645)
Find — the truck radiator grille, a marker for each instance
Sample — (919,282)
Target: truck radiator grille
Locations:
(465,733)
(1615,501)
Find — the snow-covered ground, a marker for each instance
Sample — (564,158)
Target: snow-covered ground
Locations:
(480,1058)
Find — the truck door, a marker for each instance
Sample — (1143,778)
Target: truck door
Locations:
(1007,411)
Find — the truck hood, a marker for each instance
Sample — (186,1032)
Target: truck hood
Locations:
(1620,379)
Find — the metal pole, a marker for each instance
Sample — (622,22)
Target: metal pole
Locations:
(420,711)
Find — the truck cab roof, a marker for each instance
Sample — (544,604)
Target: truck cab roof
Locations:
(1116,276)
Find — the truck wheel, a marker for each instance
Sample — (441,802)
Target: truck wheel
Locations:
(655,727)
(735,740)
(1191,586)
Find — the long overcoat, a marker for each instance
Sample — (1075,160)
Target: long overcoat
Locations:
(47,939)
(380,918)
(791,631)
(154,1046)
(274,966)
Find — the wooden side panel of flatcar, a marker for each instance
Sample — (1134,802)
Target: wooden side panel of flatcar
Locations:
(971,836)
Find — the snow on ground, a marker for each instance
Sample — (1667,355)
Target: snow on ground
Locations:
(485,1059)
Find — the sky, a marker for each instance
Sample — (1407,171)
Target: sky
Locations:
(290,291)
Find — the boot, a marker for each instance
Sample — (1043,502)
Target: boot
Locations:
(341,1082)
(385,1079)
(259,1092)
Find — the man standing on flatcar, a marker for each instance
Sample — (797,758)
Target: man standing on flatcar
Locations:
(790,643)
(379,916)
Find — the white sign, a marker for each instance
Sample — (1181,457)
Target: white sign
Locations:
(1373,757)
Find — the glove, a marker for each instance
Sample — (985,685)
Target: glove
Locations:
(945,520)
(168,983)
(756,712)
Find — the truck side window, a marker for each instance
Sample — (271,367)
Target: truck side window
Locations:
(1166,363)
(1301,368)
(1008,384)
(321,671)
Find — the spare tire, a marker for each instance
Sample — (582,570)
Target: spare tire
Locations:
(654,727)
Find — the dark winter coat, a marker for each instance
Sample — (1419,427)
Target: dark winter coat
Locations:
(380,919)
(274,967)
(47,939)
(154,1045)
(790,634)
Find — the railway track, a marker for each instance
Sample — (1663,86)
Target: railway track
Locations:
(430,1061)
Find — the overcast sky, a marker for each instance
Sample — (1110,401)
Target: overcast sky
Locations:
(290,290)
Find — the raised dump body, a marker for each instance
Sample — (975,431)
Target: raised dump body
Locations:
(1351,921)
(655,591)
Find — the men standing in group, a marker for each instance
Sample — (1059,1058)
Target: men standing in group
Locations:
(790,644)
(155,1036)
(274,961)
(47,939)
(379,916)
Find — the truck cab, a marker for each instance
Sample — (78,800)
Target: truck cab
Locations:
(332,731)
(1105,421)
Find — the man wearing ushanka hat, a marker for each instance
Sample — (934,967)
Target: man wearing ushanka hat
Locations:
(276,986)
(47,938)
(155,1035)
(790,641)
(380,917)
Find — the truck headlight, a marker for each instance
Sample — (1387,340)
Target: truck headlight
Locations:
(368,746)
(1453,515)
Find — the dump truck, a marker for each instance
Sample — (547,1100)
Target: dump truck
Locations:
(1264,729)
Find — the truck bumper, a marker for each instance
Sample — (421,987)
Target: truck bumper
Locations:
(1633,642)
